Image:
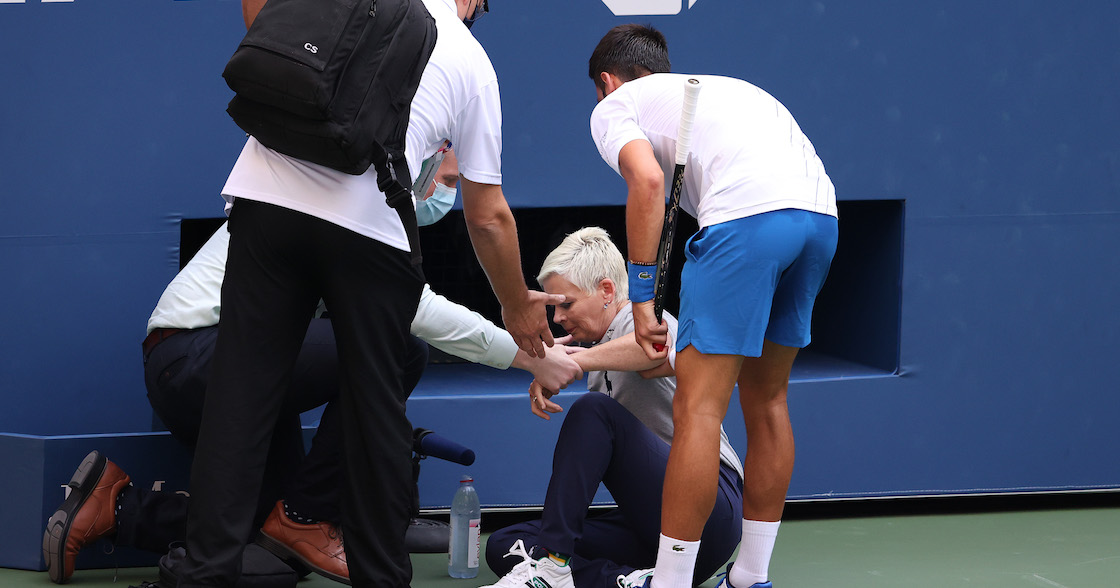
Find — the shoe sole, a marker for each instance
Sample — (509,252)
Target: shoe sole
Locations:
(293,558)
(83,482)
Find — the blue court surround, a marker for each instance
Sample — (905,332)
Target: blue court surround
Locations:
(994,122)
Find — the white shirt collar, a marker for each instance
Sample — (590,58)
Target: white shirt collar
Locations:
(450,4)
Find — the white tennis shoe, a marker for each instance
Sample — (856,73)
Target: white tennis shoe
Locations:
(635,579)
(520,573)
(534,574)
(542,573)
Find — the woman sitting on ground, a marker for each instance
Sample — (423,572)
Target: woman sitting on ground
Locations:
(618,434)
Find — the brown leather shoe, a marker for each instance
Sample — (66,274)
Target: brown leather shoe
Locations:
(88,514)
(317,546)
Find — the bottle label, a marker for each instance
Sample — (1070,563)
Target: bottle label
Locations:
(474,543)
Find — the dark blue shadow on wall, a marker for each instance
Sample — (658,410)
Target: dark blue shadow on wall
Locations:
(857,319)
(856,324)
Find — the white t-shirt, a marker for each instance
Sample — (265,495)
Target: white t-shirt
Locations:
(748,155)
(193,300)
(457,100)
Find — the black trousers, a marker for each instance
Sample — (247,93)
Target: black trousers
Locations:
(280,263)
(176,373)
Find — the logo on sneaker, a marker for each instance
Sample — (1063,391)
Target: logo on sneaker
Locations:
(537,582)
(678,548)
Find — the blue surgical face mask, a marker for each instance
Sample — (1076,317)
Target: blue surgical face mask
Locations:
(480,9)
(436,206)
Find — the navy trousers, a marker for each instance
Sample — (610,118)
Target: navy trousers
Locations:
(601,441)
(175,373)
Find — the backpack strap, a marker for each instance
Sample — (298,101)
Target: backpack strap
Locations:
(398,197)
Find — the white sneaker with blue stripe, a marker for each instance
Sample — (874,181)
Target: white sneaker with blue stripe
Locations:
(635,579)
(541,573)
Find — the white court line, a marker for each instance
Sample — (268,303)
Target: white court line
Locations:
(1097,560)
(1046,581)
(11,1)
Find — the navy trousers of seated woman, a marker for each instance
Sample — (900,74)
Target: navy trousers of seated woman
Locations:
(601,441)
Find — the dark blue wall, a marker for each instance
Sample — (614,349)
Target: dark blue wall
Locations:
(996,122)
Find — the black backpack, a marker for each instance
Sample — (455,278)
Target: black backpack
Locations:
(332,82)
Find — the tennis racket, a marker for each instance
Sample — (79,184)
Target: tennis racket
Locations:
(668,228)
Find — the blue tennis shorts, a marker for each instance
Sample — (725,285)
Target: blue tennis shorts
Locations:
(754,278)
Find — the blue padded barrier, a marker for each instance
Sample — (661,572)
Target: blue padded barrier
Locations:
(991,120)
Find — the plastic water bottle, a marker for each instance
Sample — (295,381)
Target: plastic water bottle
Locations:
(466,528)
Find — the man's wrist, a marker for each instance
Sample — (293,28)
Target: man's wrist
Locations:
(640,281)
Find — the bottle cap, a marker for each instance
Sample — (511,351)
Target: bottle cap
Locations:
(466,478)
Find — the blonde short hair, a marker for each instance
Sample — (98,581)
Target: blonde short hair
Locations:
(584,258)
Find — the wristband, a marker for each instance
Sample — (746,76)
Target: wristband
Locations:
(641,281)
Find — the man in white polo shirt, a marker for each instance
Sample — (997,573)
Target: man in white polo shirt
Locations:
(767,216)
(300,232)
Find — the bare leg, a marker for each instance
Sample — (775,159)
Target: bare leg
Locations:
(768,466)
(704,385)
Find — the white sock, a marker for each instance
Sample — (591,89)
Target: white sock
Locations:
(676,561)
(753,564)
